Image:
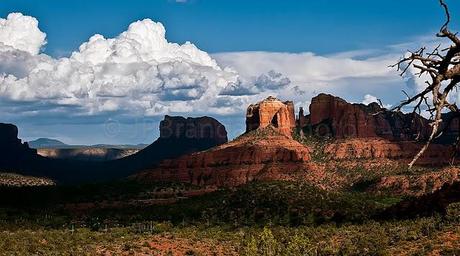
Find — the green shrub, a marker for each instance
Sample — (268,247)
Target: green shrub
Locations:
(453,212)
(299,245)
(250,247)
(263,243)
(267,245)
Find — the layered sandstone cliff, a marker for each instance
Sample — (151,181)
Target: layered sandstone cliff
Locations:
(362,131)
(374,148)
(264,154)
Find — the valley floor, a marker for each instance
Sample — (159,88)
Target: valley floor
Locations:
(260,218)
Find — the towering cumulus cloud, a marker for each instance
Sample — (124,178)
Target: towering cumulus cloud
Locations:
(139,71)
(21,32)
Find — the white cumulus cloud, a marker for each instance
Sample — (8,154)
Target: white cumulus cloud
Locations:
(138,72)
(22,33)
(368,99)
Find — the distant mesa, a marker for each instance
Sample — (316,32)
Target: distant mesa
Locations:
(91,153)
(46,143)
(116,146)
(200,128)
(271,112)
(52,148)
(179,136)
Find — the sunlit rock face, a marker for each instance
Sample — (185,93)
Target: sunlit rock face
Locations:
(271,112)
(361,131)
(262,155)
(334,117)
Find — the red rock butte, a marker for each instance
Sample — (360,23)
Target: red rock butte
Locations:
(265,152)
(271,112)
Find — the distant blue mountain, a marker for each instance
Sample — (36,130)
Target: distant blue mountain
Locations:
(46,143)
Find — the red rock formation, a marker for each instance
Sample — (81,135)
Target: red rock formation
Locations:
(303,120)
(271,112)
(339,119)
(263,154)
(373,148)
(371,132)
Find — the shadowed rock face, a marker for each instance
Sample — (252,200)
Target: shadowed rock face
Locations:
(8,133)
(206,128)
(179,136)
(12,151)
(425,205)
(271,112)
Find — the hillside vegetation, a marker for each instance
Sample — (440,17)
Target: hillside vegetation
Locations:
(263,218)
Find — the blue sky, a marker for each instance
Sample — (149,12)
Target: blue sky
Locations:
(323,26)
(356,36)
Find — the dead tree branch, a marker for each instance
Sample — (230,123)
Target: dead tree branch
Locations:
(443,69)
